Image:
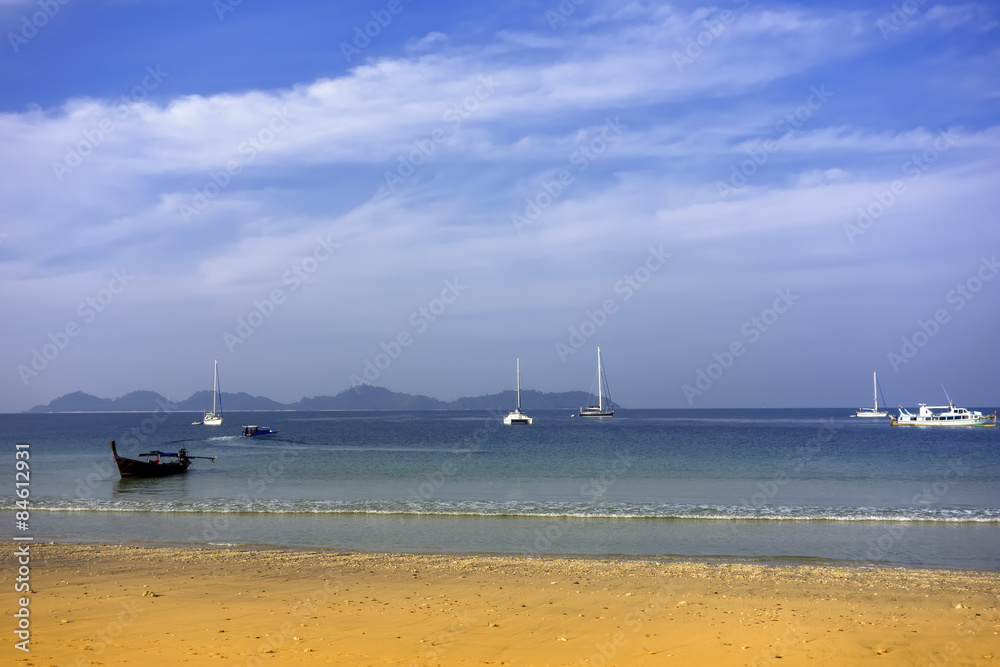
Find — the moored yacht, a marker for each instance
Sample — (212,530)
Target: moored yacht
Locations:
(517,417)
(214,418)
(872,412)
(602,409)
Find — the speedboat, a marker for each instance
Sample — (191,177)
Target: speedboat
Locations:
(254,431)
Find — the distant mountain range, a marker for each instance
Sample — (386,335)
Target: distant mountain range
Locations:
(362,397)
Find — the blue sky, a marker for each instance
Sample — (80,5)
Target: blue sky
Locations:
(745,204)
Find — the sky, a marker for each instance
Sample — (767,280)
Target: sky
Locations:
(744,204)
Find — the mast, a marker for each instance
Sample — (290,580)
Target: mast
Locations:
(519,384)
(875,388)
(215,387)
(600,395)
(946,395)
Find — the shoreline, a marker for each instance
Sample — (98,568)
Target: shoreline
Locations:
(114,604)
(658,559)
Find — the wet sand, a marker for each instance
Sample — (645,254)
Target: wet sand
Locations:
(118,605)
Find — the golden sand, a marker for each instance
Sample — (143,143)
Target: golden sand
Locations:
(118,605)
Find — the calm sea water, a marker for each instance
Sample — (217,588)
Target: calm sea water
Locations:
(747,485)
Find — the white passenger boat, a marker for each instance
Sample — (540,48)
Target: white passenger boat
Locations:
(943,415)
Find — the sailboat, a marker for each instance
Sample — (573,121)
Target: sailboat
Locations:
(214,418)
(872,412)
(600,410)
(517,417)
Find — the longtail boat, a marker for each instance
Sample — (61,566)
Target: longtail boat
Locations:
(157,463)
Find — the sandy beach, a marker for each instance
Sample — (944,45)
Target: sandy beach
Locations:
(119,605)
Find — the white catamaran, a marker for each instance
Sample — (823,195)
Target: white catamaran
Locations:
(517,417)
(872,412)
(600,410)
(214,418)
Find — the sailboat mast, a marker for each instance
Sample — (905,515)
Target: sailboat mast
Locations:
(519,384)
(215,387)
(875,388)
(600,395)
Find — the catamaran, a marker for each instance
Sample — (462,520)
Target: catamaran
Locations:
(872,412)
(214,418)
(943,415)
(517,417)
(600,410)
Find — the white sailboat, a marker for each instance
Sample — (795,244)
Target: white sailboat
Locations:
(600,410)
(214,418)
(517,417)
(872,412)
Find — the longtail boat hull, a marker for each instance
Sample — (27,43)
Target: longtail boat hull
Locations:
(154,468)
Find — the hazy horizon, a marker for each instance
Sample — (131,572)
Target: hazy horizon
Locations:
(744,204)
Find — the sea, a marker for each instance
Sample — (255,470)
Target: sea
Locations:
(771,486)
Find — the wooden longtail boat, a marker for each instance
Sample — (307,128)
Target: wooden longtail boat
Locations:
(157,464)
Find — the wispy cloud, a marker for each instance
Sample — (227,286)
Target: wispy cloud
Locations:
(414,158)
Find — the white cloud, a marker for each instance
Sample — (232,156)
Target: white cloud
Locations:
(309,161)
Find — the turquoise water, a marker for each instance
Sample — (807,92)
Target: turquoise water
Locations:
(771,485)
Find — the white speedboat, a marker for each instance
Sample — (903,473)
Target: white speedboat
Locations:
(872,412)
(214,418)
(517,417)
(601,409)
(943,415)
